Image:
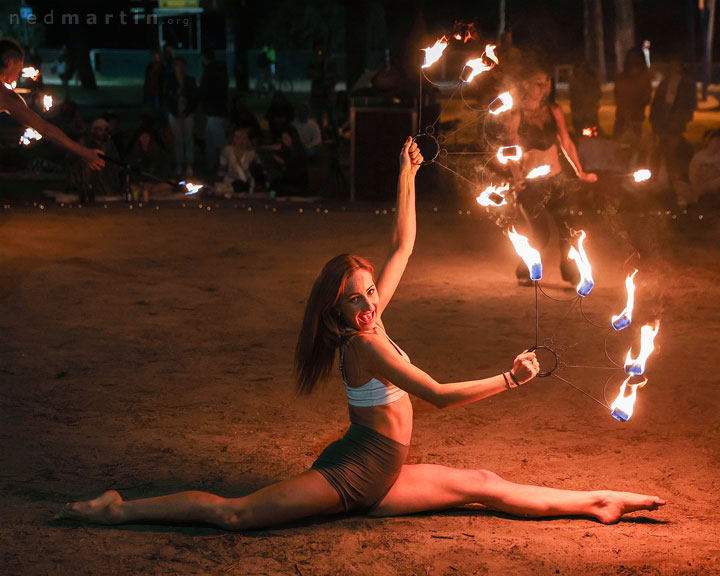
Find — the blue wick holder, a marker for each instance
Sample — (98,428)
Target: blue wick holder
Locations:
(621,323)
(634,370)
(585,288)
(620,415)
(536,272)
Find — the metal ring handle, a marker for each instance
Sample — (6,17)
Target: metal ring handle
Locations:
(548,372)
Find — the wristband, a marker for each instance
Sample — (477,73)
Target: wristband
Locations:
(507,383)
(514,379)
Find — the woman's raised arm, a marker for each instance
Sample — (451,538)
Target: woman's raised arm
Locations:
(403,226)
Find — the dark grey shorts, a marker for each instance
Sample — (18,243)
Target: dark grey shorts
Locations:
(362,467)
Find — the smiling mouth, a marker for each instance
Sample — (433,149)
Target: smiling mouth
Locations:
(366,318)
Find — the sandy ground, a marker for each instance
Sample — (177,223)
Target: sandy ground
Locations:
(150,351)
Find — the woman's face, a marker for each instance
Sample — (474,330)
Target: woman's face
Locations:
(12,72)
(538,86)
(359,301)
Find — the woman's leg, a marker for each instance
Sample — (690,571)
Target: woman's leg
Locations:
(307,494)
(423,487)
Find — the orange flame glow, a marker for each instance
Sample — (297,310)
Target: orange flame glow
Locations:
(539,172)
(586,280)
(636,366)
(29,135)
(47,102)
(507,154)
(191,188)
(590,132)
(501,104)
(433,53)
(642,175)
(479,65)
(493,195)
(458,37)
(11,85)
(625,317)
(30,72)
(623,406)
(529,255)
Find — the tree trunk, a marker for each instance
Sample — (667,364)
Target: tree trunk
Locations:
(624,31)
(355,41)
(594,40)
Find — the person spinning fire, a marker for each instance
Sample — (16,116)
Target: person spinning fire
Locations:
(538,126)
(11,64)
(365,472)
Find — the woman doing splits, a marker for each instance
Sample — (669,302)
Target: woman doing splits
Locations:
(11,64)
(365,472)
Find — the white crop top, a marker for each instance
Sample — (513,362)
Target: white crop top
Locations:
(374,392)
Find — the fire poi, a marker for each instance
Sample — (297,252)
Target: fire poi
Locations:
(494,196)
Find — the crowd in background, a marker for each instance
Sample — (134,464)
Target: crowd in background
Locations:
(193,129)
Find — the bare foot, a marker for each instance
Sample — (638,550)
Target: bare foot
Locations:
(611,505)
(102,510)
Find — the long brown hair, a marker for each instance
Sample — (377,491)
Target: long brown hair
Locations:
(323,328)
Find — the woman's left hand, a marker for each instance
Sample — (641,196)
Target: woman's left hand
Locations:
(588,176)
(410,157)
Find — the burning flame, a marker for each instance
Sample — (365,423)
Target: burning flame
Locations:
(622,407)
(642,175)
(458,37)
(190,187)
(30,72)
(10,86)
(478,65)
(530,256)
(539,172)
(501,104)
(47,102)
(636,367)
(29,135)
(586,280)
(507,154)
(433,53)
(625,317)
(493,195)
(590,132)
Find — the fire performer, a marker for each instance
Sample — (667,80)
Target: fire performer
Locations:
(539,126)
(365,472)
(11,64)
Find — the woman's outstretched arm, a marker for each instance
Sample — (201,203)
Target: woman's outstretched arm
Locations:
(19,110)
(381,359)
(403,226)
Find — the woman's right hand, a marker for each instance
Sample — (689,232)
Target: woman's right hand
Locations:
(410,157)
(92,157)
(525,367)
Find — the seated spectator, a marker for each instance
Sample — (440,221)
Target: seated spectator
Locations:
(92,183)
(292,161)
(705,170)
(116,133)
(242,117)
(146,152)
(308,131)
(279,113)
(70,121)
(240,167)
